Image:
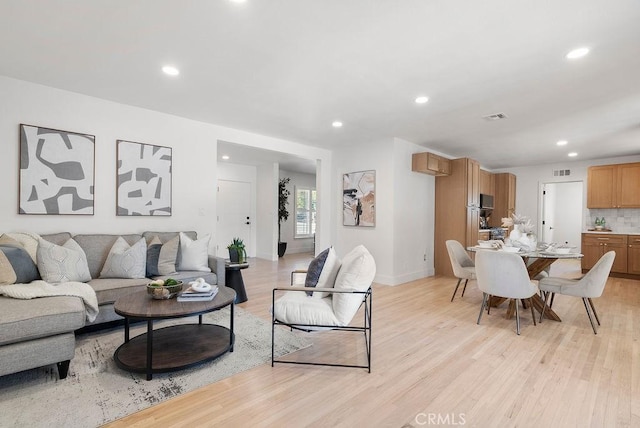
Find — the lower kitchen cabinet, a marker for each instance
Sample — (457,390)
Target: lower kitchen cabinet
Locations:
(595,245)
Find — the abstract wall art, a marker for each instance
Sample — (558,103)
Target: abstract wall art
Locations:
(56,171)
(359,198)
(144,179)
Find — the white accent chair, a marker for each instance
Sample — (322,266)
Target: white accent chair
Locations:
(463,266)
(330,307)
(589,286)
(504,274)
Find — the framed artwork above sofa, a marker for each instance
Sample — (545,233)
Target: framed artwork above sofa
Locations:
(143,180)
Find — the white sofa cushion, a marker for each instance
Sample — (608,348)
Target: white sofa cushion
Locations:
(126,261)
(295,307)
(356,273)
(62,263)
(194,255)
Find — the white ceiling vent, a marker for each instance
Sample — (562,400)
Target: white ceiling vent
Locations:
(561,172)
(495,116)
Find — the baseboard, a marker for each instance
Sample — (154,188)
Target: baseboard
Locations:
(401,279)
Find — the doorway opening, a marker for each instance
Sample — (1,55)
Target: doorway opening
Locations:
(562,213)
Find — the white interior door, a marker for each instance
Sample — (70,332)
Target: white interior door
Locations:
(562,213)
(234,215)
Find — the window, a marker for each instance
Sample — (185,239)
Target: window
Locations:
(305,212)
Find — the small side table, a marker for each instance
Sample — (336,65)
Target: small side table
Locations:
(233,279)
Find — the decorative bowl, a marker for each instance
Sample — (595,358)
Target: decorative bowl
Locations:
(162,292)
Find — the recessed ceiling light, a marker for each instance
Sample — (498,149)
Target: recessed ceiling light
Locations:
(422,100)
(578,53)
(562,143)
(336,124)
(170,70)
(225,157)
(572,154)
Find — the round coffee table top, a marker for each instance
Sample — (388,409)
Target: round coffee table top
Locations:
(141,305)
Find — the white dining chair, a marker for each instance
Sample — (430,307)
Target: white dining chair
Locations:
(504,274)
(463,266)
(589,286)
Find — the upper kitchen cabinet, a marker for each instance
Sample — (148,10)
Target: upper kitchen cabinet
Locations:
(487,183)
(429,163)
(504,202)
(614,186)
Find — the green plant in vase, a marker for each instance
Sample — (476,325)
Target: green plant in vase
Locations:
(237,251)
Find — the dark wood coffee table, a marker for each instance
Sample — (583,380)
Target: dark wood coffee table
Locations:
(175,347)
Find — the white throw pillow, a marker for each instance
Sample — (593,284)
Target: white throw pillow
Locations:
(194,254)
(356,273)
(329,272)
(126,261)
(62,263)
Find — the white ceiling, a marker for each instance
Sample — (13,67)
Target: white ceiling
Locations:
(288,68)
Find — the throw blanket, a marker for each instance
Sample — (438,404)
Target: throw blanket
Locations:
(44,289)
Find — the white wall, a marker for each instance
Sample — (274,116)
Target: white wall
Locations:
(267,218)
(414,216)
(194,159)
(402,235)
(529,180)
(298,179)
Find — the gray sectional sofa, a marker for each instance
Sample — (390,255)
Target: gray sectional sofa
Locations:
(41,331)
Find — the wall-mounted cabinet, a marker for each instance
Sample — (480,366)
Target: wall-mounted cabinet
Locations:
(504,203)
(487,183)
(614,186)
(429,163)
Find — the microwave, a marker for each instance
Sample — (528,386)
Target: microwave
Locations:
(486,201)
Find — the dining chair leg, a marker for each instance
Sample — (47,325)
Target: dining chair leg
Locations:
(553,295)
(533,315)
(517,319)
(484,302)
(465,287)
(586,307)
(593,308)
(546,297)
(456,290)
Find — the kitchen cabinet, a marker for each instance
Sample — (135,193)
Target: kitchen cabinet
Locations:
(595,245)
(614,186)
(487,183)
(504,201)
(429,163)
(633,254)
(457,214)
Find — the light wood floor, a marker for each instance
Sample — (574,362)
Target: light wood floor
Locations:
(432,363)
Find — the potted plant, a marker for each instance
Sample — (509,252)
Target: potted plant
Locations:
(237,251)
(283,213)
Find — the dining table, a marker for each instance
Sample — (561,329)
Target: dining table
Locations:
(537,261)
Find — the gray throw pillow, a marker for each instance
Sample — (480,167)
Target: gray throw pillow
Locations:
(21,263)
(161,258)
(315,270)
(125,261)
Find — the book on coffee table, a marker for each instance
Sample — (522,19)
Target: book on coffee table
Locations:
(197,296)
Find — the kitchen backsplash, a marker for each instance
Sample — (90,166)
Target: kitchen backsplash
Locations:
(621,220)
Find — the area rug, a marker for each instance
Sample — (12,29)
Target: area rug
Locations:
(96,391)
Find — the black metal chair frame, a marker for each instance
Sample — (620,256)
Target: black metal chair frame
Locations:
(365,328)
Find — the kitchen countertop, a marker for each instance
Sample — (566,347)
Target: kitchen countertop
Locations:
(597,232)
